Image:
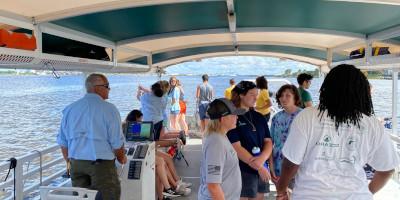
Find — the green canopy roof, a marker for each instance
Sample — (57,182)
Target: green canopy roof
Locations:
(152,33)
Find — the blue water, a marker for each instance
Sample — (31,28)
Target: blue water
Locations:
(30,106)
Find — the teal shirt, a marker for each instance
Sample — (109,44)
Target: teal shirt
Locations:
(304,96)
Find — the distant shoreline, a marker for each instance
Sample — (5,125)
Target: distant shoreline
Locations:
(14,73)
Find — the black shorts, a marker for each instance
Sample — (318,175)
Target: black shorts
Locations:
(157,127)
(252,184)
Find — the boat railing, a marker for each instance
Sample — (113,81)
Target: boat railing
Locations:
(47,166)
(35,169)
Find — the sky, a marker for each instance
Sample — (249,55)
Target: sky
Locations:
(235,65)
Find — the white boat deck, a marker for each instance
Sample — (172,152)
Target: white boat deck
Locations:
(192,153)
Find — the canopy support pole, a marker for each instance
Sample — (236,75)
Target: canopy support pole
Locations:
(150,60)
(232,21)
(329,57)
(37,32)
(395,73)
(114,57)
(84,77)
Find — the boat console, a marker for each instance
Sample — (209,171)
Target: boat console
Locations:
(138,174)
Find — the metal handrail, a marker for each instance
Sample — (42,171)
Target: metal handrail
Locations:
(21,176)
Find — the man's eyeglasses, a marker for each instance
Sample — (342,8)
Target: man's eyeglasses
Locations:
(105,85)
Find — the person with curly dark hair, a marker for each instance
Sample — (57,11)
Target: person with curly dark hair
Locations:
(328,145)
(287,98)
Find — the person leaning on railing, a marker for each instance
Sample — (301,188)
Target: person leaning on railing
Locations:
(91,139)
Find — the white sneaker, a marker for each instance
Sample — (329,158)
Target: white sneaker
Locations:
(183,191)
(184,184)
(196,134)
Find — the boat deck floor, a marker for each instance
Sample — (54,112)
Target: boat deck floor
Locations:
(191,173)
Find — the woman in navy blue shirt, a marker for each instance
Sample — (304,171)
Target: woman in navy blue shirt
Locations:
(251,133)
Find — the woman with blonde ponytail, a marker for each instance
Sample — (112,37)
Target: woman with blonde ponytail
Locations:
(219,168)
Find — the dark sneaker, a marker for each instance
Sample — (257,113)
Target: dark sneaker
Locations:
(182,136)
(170,193)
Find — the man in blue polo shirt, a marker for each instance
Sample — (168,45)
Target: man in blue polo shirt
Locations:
(91,138)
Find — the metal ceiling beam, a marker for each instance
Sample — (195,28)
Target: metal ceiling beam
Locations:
(134,50)
(16,20)
(385,34)
(242,30)
(138,53)
(348,45)
(387,2)
(241,53)
(301,30)
(23,59)
(239,43)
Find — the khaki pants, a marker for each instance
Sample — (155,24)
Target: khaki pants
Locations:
(101,176)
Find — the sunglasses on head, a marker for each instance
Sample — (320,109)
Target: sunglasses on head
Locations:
(246,85)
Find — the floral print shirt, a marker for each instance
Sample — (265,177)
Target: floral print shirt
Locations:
(279,132)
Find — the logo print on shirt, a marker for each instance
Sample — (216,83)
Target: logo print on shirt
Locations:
(214,170)
(327,138)
(241,123)
(326,142)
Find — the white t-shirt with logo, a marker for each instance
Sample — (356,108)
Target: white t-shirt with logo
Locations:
(331,161)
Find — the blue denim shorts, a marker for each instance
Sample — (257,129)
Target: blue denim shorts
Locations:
(252,184)
(175,112)
(203,111)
